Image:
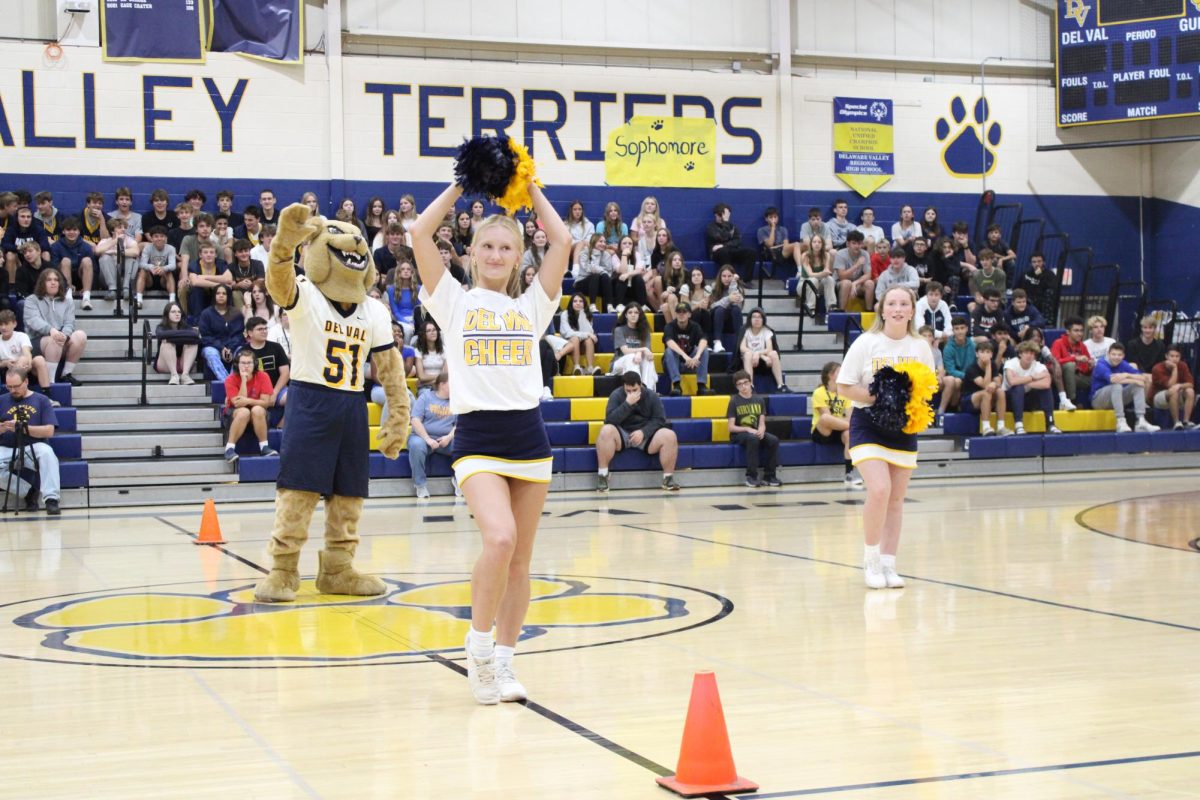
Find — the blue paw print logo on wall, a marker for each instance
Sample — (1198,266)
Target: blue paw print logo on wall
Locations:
(689,166)
(657,125)
(969,150)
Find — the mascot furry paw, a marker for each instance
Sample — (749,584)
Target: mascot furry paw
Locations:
(335,327)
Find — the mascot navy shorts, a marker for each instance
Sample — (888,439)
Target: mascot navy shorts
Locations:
(326,442)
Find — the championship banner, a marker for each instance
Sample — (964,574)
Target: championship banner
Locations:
(153,30)
(663,151)
(272,30)
(863,154)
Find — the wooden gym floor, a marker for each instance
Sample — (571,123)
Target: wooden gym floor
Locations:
(1046,647)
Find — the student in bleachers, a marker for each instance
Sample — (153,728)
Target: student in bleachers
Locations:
(431,355)
(258,303)
(373,218)
(949,385)
(1004,254)
(251,227)
(1035,335)
(839,225)
(958,355)
(698,297)
(814,268)
(93,218)
(646,252)
(674,276)
(157,266)
(184,217)
(268,202)
(747,420)
(1097,343)
(578,224)
(1146,351)
(402,298)
(881,258)
(968,261)
(756,345)
(1038,284)
(432,431)
(986,314)
(393,251)
(118,255)
(445,233)
(853,270)
(223,233)
(610,227)
(723,241)
(247,397)
(931,229)
(408,356)
(981,390)
(872,233)
(1006,347)
(594,272)
(1071,353)
(664,245)
(221,326)
(886,460)
(773,240)
(631,347)
(1171,381)
(651,209)
(532,257)
(815,226)
(635,418)
(898,273)
(74,258)
(906,229)
(725,299)
(831,419)
(946,266)
(988,276)
(1026,380)
(50,323)
(1115,383)
(462,232)
(21,230)
(261,252)
(686,349)
(50,218)
(16,352)
(160,212)
(310,199)
(178,345)
(271,358)
(933,311)
(30,266)
(1021,314)
(922,263)
(224,203)
(575,324)
(477,209)
(408,213)
(629,278)
(203,278)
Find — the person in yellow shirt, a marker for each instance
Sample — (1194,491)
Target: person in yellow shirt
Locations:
(831,419)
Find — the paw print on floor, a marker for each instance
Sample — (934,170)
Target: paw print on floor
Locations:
(967,153)
(657,125)
(689,166)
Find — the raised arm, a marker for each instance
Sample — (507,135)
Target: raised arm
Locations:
(429,261)
(296,226)
(558,254)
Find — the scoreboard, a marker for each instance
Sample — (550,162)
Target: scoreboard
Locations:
(1121,60)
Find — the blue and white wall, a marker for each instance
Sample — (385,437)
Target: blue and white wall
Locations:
(561,76)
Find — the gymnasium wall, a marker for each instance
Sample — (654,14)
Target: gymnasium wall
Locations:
(79,124)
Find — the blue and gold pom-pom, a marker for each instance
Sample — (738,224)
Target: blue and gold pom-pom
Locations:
(496,167)
(902,394)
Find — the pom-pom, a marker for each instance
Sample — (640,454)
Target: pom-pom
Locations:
(496,167)
(484,166)
(902,394)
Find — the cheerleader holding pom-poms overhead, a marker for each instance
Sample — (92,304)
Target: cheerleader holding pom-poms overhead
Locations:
(501,453)
(888,376)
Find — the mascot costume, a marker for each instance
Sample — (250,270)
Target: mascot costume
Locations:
(334,328)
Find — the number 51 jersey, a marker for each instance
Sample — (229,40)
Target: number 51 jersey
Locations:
(330,347)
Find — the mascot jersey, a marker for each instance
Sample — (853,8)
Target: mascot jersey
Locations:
(491,344)
(330,348)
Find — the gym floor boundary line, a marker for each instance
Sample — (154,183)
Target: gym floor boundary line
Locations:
(962,776)
(935,581)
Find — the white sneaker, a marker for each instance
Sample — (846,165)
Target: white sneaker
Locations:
(511,690)
(1064,404)
(422,492)
(173,380)
(853,480)
(1018,429)
(481,677)
(620,309)
(1002,430)
(186,379)
(1123,426)
(594,309)
(547,394)
(873,573)
(1178,426)
(1054,429)
(986,430)
(718,347)
(894,581)
(1146,426)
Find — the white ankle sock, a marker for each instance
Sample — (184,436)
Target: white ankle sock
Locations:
(604,473)
(870,550)
(171,297)
(481,643)
(888,561)
(262,445)
(505,653)
(52,369)
(68,367)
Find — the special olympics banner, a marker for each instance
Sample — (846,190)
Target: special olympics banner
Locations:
(863,154)
(153,30)
(663,151)
(268,29)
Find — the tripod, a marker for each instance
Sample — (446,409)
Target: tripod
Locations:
(22,453)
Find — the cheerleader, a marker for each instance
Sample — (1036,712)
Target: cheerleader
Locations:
(501,452)
(885,460)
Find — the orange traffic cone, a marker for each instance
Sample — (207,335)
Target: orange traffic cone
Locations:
(705,760)
(210,528)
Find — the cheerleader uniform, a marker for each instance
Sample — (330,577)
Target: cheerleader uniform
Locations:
(491,349)
(870,352)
